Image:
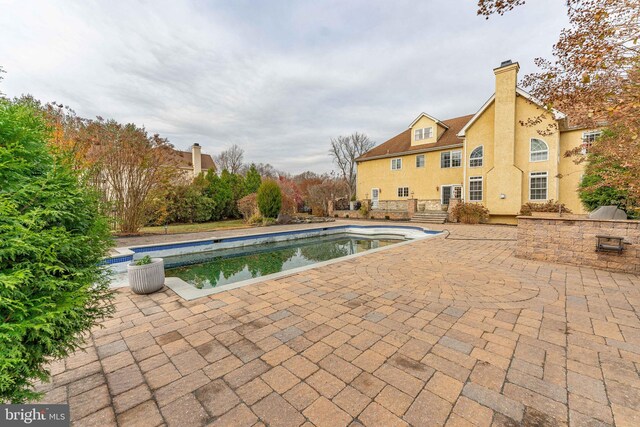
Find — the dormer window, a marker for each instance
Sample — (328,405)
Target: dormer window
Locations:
(423,133)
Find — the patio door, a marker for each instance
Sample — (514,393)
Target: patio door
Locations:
(375,196)
(449,191)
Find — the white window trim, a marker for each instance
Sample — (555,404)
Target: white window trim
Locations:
(441,154)
(402,188)
(451,159)
(539,174)
(461,160)
(424,161)
(479,158)
(475,179)
(423,133)
(587,144)
(398,160)
(531,150)
(597,133)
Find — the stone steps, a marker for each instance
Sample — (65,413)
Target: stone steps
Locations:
(431,217)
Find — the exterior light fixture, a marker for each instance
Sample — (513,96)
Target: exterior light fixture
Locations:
(503,196)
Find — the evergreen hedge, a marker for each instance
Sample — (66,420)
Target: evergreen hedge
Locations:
(52,239)
(269,199)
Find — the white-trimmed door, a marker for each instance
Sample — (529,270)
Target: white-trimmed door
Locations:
(449,191)
(375,197)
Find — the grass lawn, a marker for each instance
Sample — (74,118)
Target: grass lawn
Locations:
(193,228)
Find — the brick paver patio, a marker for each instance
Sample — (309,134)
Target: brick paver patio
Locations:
(438,332)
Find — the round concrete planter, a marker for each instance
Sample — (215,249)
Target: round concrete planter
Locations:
(148,278)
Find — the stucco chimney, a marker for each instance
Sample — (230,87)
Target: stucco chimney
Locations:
(504,179)
(505,113)
(196,159)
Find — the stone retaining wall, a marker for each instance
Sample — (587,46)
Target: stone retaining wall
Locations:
(374,214)
(393,205)
(399,210)
(573,241)
(429,205)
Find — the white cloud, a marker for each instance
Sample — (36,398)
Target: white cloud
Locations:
(278,78)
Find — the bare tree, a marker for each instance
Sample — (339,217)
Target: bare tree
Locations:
(128,165)
(230,159)
(319,195)
(345,150)
(266,170)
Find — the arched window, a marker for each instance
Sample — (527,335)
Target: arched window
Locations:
(476,157)
(539,150)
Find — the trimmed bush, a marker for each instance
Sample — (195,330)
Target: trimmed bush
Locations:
(269,199)
(52,240)
(549,206)
(470,213)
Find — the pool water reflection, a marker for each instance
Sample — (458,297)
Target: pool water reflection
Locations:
(217,268)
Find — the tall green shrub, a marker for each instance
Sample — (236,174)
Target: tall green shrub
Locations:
(236,183)
(269,199)
(52,239)
(252,180)
(222,194)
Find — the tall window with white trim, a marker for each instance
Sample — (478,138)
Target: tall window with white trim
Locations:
(538,185)
(396,164)
(539,150)
(420,161)
(475,188)
(476,157)
(445,159)
(456,159)
(588,138)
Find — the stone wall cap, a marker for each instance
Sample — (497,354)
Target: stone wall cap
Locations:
(559,218)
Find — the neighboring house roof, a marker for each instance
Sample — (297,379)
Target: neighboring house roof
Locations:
(401,144)
(185,160)
(557,115)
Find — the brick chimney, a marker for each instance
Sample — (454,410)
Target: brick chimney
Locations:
(196,159)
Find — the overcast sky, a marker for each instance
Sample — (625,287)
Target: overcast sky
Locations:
(278,78)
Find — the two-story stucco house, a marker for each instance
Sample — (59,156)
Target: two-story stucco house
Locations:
(489,157)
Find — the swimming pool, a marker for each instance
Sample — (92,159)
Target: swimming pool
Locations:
(217,264)
(206,270)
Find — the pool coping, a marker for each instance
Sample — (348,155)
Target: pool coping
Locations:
(189,292)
